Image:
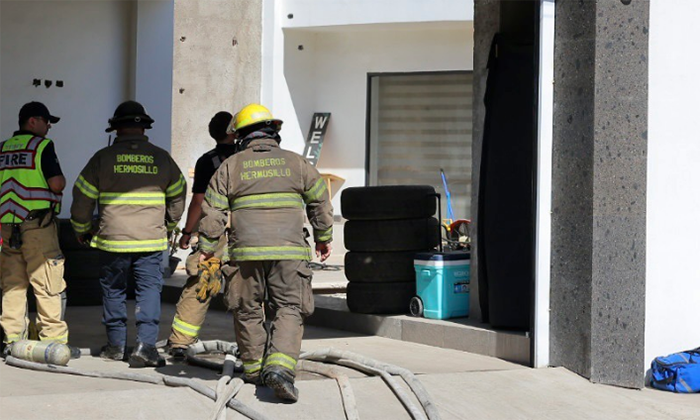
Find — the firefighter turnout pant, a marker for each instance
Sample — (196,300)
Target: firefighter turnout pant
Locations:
(39,262)
(190,312)
(147,272)
(286,287)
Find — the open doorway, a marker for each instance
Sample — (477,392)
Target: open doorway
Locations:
(507,190)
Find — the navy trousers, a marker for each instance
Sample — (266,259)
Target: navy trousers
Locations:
(148,275)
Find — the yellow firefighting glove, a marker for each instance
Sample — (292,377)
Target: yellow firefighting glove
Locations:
(209,278)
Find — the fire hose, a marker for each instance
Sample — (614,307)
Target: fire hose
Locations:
(139,377)
(228,386)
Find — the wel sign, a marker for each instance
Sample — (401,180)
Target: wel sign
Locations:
(319,123)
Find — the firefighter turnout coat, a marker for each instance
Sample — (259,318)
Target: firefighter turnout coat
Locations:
(265,190)
(141,195)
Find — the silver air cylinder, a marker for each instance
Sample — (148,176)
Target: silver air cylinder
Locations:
(41,352)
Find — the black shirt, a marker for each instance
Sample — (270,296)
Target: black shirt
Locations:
(207,165)
(49,160)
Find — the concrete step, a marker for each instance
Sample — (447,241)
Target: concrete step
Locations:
(331,311)
(462,334)
(458,334)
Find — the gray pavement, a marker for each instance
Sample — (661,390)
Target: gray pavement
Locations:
(463,385)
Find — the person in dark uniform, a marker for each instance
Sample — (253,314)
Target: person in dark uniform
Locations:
(196,295)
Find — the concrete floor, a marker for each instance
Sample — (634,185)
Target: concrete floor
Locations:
(463,385)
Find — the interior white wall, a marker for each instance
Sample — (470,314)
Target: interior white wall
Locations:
(309,13)
(154,66)
(330,75)
(673,200)
(85,44)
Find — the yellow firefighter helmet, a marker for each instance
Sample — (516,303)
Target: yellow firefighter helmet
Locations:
(253,114)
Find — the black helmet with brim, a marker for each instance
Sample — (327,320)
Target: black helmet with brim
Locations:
(130,114)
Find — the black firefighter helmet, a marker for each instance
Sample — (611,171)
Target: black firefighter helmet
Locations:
(130,114)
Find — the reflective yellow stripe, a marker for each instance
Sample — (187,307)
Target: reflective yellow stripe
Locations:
(272,200)
(171,226)
(81,227)
(252,367)
(127,194)
(130,246)
(177,188)
(281,359)
(207,245)
(324,235)
(216,200)
(11,338)
(139,199)
(87,188)
(263,253)
(185,328)
(315,192)
(63,339)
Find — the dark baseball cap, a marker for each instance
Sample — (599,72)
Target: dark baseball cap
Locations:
(36,109)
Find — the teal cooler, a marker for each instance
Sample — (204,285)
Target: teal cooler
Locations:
(442,283)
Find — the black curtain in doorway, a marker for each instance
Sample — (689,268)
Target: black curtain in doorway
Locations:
(506,190)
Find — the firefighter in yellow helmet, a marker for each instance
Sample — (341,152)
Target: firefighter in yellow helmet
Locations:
(264,190)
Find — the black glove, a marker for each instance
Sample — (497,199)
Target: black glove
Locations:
(85,239)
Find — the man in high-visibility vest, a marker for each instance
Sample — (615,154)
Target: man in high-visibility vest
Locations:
(141,196)
(30,196)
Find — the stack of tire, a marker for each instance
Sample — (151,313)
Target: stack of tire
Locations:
(82,268)
(386,227)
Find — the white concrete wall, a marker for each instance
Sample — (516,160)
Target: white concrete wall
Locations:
(85,44)
(314,13)
(673,200)
(154,66)
(330,74)
(211,72)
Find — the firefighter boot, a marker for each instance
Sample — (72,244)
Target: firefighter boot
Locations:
(111,352)
(252,378)
(179,354)
(145,355)
(74,352)
(281,381)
